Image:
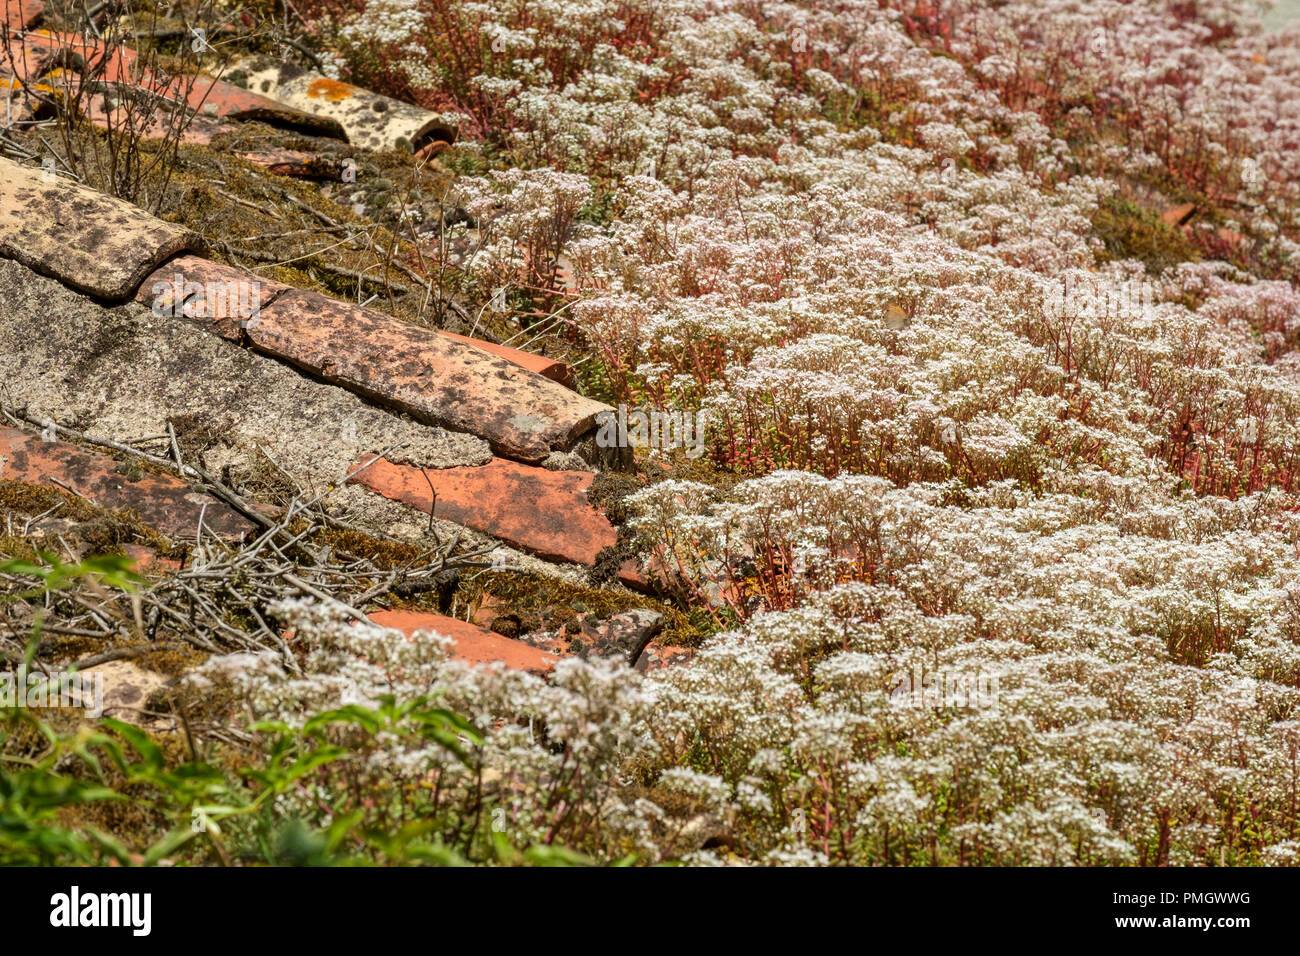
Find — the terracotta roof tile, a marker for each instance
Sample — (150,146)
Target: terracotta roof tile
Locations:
(37,54)
(219,98)
(474,644)
(553,369)
(220,297)
(16,15)
(516,400)
(372,121)
(535,509)
(166,504)
(28,56)
(660,657)
(157,289)
(448,380)
(147,559)
(433,379)
(85,239)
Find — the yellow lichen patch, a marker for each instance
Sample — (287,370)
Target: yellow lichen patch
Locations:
(332,90)
(13,83)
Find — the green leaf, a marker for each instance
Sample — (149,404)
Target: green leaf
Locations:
(137,738)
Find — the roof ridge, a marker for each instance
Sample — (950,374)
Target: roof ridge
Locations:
(108,248)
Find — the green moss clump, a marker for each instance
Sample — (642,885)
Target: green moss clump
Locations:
(539,602)
(1130,232)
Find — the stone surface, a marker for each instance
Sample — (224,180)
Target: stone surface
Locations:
(1178,215)
(474,644)
(85,239)
(167,504)
(535,509)
(127,688)
(119,689)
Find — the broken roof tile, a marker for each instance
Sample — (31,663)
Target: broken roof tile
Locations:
(167,504)
(40,53)
(371,121)
(219,98)
(88,240)
(474,644)
(538,510)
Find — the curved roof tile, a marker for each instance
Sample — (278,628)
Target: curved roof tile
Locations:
(90,241)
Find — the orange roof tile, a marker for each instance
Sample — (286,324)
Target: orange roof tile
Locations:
(474,644)
(166,504)
(542,511)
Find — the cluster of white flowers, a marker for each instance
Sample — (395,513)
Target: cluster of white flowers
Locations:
(1144,645)
(554,753)
(385,21)
(524,219)
(851,234)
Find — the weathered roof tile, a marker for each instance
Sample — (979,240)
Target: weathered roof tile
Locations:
(444,380)
(535,509)
(222,298)
(474,644)
(372,121)
(167,504)
(219,98)
(39,53)
(16,15)
(433,379)
(88,240)
(553,369)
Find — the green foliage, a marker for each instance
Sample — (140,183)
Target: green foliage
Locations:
(213,814)
(53,575)
(231,809)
